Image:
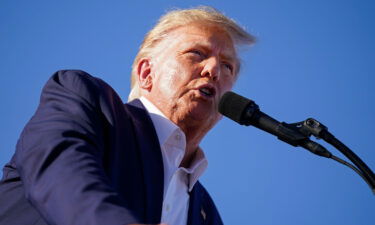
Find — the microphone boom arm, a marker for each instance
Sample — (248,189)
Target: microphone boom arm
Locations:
(297,134)
(317,129)
(246,112)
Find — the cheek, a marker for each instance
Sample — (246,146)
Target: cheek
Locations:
(168,78)
(181,75)
(227,84)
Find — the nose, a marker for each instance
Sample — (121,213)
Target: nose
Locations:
(211,68)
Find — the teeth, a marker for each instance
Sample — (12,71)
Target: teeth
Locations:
(206,91)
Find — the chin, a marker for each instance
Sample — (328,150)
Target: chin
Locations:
(203,115)
(201,111)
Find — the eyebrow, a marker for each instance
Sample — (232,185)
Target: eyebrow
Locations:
(222,55)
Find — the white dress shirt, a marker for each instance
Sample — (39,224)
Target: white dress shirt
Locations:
(178,181)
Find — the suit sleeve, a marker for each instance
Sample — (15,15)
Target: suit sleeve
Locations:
(59,156)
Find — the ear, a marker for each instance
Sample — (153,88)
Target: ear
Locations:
(144,74)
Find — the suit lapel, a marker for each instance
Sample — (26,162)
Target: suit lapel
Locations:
(196,214)
(151,158)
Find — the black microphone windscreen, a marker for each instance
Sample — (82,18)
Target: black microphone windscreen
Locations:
(234,106)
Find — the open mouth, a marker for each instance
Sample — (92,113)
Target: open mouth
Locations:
(207,91)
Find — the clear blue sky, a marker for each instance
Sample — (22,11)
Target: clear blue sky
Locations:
(312,59)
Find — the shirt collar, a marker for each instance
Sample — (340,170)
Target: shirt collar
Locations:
(163,126)
(166,130)
(197,167)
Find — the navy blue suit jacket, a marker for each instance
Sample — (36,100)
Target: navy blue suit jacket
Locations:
(87,158)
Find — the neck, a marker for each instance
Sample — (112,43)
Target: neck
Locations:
(194,135)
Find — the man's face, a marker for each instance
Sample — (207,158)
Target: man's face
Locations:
(191,69)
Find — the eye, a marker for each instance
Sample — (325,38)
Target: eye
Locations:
(228,66)
(196,52)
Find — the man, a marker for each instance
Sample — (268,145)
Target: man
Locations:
(85,158)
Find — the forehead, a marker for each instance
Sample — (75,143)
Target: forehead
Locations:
(210,36)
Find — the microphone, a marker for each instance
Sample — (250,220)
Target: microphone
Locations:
(246,112)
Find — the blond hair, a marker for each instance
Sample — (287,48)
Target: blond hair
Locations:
(177,18)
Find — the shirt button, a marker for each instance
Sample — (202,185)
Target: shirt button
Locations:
(167,208)
(178,137)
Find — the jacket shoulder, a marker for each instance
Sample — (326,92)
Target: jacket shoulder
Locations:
(76,82)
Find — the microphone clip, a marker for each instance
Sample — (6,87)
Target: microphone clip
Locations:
(310,127)
(298,134)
